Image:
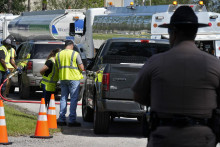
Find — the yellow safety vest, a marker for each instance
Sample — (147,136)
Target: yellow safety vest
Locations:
(7,57)
(12,55)
(66,62)
(51,80)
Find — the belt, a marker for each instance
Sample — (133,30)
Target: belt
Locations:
(183,121)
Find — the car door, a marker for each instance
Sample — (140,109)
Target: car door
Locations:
(91,73)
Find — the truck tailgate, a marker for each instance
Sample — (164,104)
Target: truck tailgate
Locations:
(122,77)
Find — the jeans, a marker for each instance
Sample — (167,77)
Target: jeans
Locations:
(2,78)
(69,87)
(46,95)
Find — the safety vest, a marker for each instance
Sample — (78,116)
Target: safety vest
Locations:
(66,62)
(51,80)
(7,57)
(12,55)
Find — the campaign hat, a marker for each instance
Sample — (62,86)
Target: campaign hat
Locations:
(182,17)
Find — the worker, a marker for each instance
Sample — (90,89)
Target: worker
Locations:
(50,76)
(181,86)
(4,60)
(70,68)
(12,53)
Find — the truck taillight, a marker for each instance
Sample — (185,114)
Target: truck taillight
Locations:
(145,41)
(29,66)
(106,81)
(210,24)
(218,24)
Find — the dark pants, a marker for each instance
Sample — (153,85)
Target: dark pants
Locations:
(195,136)
(46,95)
(2,78)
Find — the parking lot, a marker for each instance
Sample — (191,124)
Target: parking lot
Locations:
(123,132)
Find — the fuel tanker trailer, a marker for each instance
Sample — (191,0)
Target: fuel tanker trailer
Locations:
(47,25)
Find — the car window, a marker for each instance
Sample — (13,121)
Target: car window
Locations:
(132,52)
(41,51)
(21,51)
(136,49)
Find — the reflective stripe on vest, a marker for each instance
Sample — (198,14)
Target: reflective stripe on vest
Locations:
(66,62)
(11,56)
(51,80)
(71,65)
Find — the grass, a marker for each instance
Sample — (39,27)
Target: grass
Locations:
(21,123)
(108,36)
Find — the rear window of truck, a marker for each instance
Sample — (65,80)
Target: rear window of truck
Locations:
(132,52)
(41,51)
(136,49)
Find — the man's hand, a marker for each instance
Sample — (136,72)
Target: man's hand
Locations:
(7,72)
(19,70)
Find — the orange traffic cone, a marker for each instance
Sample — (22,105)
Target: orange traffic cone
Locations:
(51,114)
(3,128)
(42,130)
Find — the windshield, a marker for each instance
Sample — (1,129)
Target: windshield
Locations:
(41,51)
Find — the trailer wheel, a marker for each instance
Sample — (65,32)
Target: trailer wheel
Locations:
(87,112)
(101,121)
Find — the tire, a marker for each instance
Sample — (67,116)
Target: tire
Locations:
(87,112)
(24,91)
(101,121)
(12,89)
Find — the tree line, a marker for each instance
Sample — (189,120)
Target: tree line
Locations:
(18,6)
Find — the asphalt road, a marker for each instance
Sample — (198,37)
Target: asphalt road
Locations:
(123,132)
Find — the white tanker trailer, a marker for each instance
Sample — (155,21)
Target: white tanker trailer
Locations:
(46,25)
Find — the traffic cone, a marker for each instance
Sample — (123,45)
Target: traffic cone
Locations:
(3,128)
(51,114)
(42,130)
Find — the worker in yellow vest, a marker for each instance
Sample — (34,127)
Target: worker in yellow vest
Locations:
(50,76)
(4,60)
(12,53)
(70,68)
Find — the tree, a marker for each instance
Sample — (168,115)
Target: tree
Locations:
(76,4)
(15,6)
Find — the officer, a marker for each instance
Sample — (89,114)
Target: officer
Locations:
(70,66)
(181,86)
(11,66)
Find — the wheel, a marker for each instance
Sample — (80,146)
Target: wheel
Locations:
(24,91)
(12,89)
(87,112)
(101,121)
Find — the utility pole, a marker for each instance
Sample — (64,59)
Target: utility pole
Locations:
(29,6)
(9,6)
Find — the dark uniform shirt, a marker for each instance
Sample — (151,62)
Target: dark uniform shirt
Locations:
(183,80)
(49,64)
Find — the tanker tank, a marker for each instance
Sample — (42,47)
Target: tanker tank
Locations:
(46,25)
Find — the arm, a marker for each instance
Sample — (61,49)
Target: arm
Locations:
(81,67)
(3,64)
(2,59)
(12,61)
(43,69)
(80,63)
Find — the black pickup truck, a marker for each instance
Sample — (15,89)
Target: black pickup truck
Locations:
(110,76)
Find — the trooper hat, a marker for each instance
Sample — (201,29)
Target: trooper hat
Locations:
(183,16)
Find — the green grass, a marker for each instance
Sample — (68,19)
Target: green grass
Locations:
(20,123)
(108,36)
